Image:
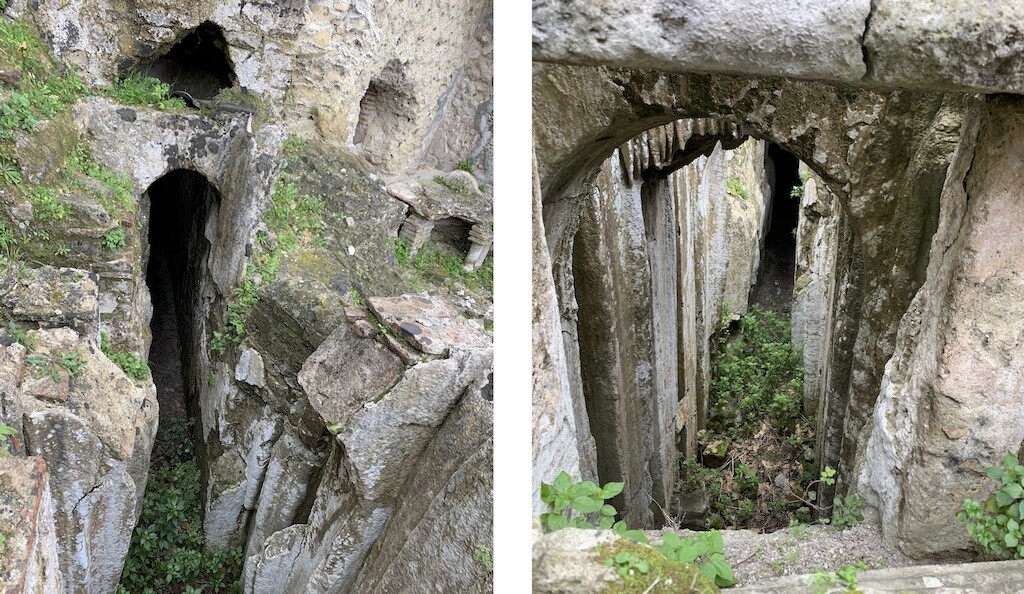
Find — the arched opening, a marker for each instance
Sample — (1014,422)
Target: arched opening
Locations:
(183,207)
(385,112)
(198,64)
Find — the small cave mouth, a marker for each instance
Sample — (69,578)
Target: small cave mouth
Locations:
(198,65)
(774,288)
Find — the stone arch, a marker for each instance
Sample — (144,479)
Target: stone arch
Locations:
(198,63)
(386,113)
(868,148)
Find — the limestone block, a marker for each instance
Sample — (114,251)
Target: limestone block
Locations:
(947,45)
(446,508)
(50,297)
(29,561)
(97,442)
(250,369)
(795,38)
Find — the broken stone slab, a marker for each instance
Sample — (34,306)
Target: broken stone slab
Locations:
(250,368)
(345,373)
(29,561)
(49,297)
(994,577)
(428,323)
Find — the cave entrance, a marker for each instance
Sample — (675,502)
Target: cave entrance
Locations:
(774,288)
(385,112)
(182,206)
(198,64)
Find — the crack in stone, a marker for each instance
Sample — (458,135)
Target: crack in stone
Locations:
(869,66)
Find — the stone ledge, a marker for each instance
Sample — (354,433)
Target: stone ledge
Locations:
(994,577)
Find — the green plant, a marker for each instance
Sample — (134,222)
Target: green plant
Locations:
(995,524)
(29,340)
(736,188)
(129,362)
(847,511)
(627,564)
(845,577)
(402,252)
(797,192)
(581,504)
(466,165)
(294,146)
(136,89)
(48,206)
(485,557)
(113,239)
(5,432)
(167,551)
(73,362)
(452,185)
(705,550)
(805,174)
(10,173)
(354,298)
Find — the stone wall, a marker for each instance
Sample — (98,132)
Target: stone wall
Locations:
(312,63)
(658,244)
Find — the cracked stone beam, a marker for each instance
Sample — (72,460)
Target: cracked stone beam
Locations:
(937,45)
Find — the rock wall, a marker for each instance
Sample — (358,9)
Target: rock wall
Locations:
(92,424)
(390,78)
(658,244)
(29,563)
(951,396)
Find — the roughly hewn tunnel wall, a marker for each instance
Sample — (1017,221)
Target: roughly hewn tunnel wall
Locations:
(919,393)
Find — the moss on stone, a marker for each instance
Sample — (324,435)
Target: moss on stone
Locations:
(667,576)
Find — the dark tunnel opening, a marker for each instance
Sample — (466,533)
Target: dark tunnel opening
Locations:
(774,288)
(180,204)
(198,64)
(183,207)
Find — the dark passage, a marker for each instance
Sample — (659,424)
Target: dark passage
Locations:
(180,203)
(774,289)
(168,554)
(198,64)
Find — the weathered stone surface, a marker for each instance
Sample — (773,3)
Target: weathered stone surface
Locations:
(570,561)
(939,46)
(50,297)
(565,561)
(561,430)
(29,561)
(345,373)
(439,537)
(96,440)
(250,368)
(430,324)
(380,437)
(995,577)
(795,38)
(951,394)
(946,45)
(376,76)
